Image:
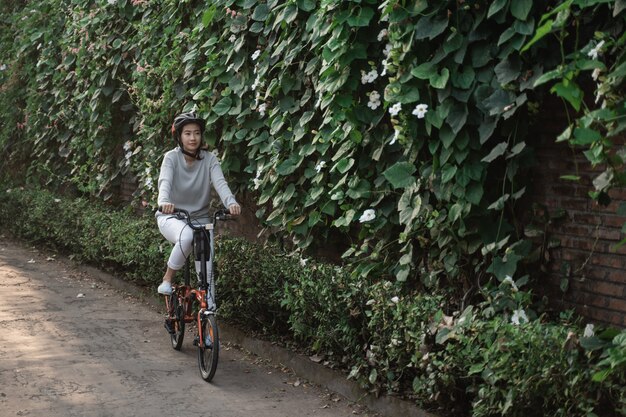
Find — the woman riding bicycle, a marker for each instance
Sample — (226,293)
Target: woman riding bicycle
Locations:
(187,174)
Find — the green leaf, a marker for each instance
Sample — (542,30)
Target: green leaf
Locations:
(464,78)
(501,269)
(548,76)
(521,8)
(440,80)
(585,136)
(344,165)
(497,151)
(447,173)
(362,18)
(443,335)
(457,117)
(447,136)
(373,376)
(208,15)
(306,117)
(288,166)
(542,31)
(497,101)
(517,149)
(424,71)
(260,12)
(474,193)
(565,135)
(400,174)
(431,26)
(508,69)
(592,343)
(496,6)
(223,106)
(569,91)
(306,5)
(455,212)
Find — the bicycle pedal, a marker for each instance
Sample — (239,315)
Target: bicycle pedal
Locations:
(168,326)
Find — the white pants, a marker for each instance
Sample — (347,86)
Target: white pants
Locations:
(180,234)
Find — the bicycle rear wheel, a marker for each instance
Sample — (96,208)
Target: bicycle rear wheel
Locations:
(209,348)
(178,322)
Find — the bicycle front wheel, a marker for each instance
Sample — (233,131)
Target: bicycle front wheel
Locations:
(209,347)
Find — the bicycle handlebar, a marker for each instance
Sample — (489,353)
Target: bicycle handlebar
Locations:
(182,214)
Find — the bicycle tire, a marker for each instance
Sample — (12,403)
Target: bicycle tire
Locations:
(178,325)
(208,353)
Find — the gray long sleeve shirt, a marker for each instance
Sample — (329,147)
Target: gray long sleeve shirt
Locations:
(189,186)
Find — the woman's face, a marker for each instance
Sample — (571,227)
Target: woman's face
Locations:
(191,137)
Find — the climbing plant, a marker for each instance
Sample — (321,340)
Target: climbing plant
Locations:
(403,126)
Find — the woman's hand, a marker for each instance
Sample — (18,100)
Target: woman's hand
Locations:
(167,208)
(234,209)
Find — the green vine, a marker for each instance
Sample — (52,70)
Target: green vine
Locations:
(402,127)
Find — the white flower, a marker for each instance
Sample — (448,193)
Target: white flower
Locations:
(128,155)
(3,67)
(588,331)
(369,77)
(395,109)
(396,134)
(127,145)
(320,165)
(256,54)
(148,182)
(593,52)
(262,108)
(232,38)
(387,50)
(303,262)
(596,73)
(9,191)
(395,299)
(374,101)
(256,83)
(599,95)
(385,66)
(510,281)
(519,317)
(368,215)
(420,110)
(57,200)
(382,34)
(257,183)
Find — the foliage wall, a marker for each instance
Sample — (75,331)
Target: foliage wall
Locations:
(405,126)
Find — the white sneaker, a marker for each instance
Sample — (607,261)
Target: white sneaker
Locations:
(165,288)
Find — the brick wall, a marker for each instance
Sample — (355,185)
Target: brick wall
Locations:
(587,257)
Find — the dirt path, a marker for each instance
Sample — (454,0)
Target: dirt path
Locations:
(71,345)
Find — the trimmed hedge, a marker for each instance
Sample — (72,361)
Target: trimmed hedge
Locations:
(461,365)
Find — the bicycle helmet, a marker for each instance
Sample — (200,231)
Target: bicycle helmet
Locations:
(177,127)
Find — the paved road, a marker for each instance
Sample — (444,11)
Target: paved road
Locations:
(71,345)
